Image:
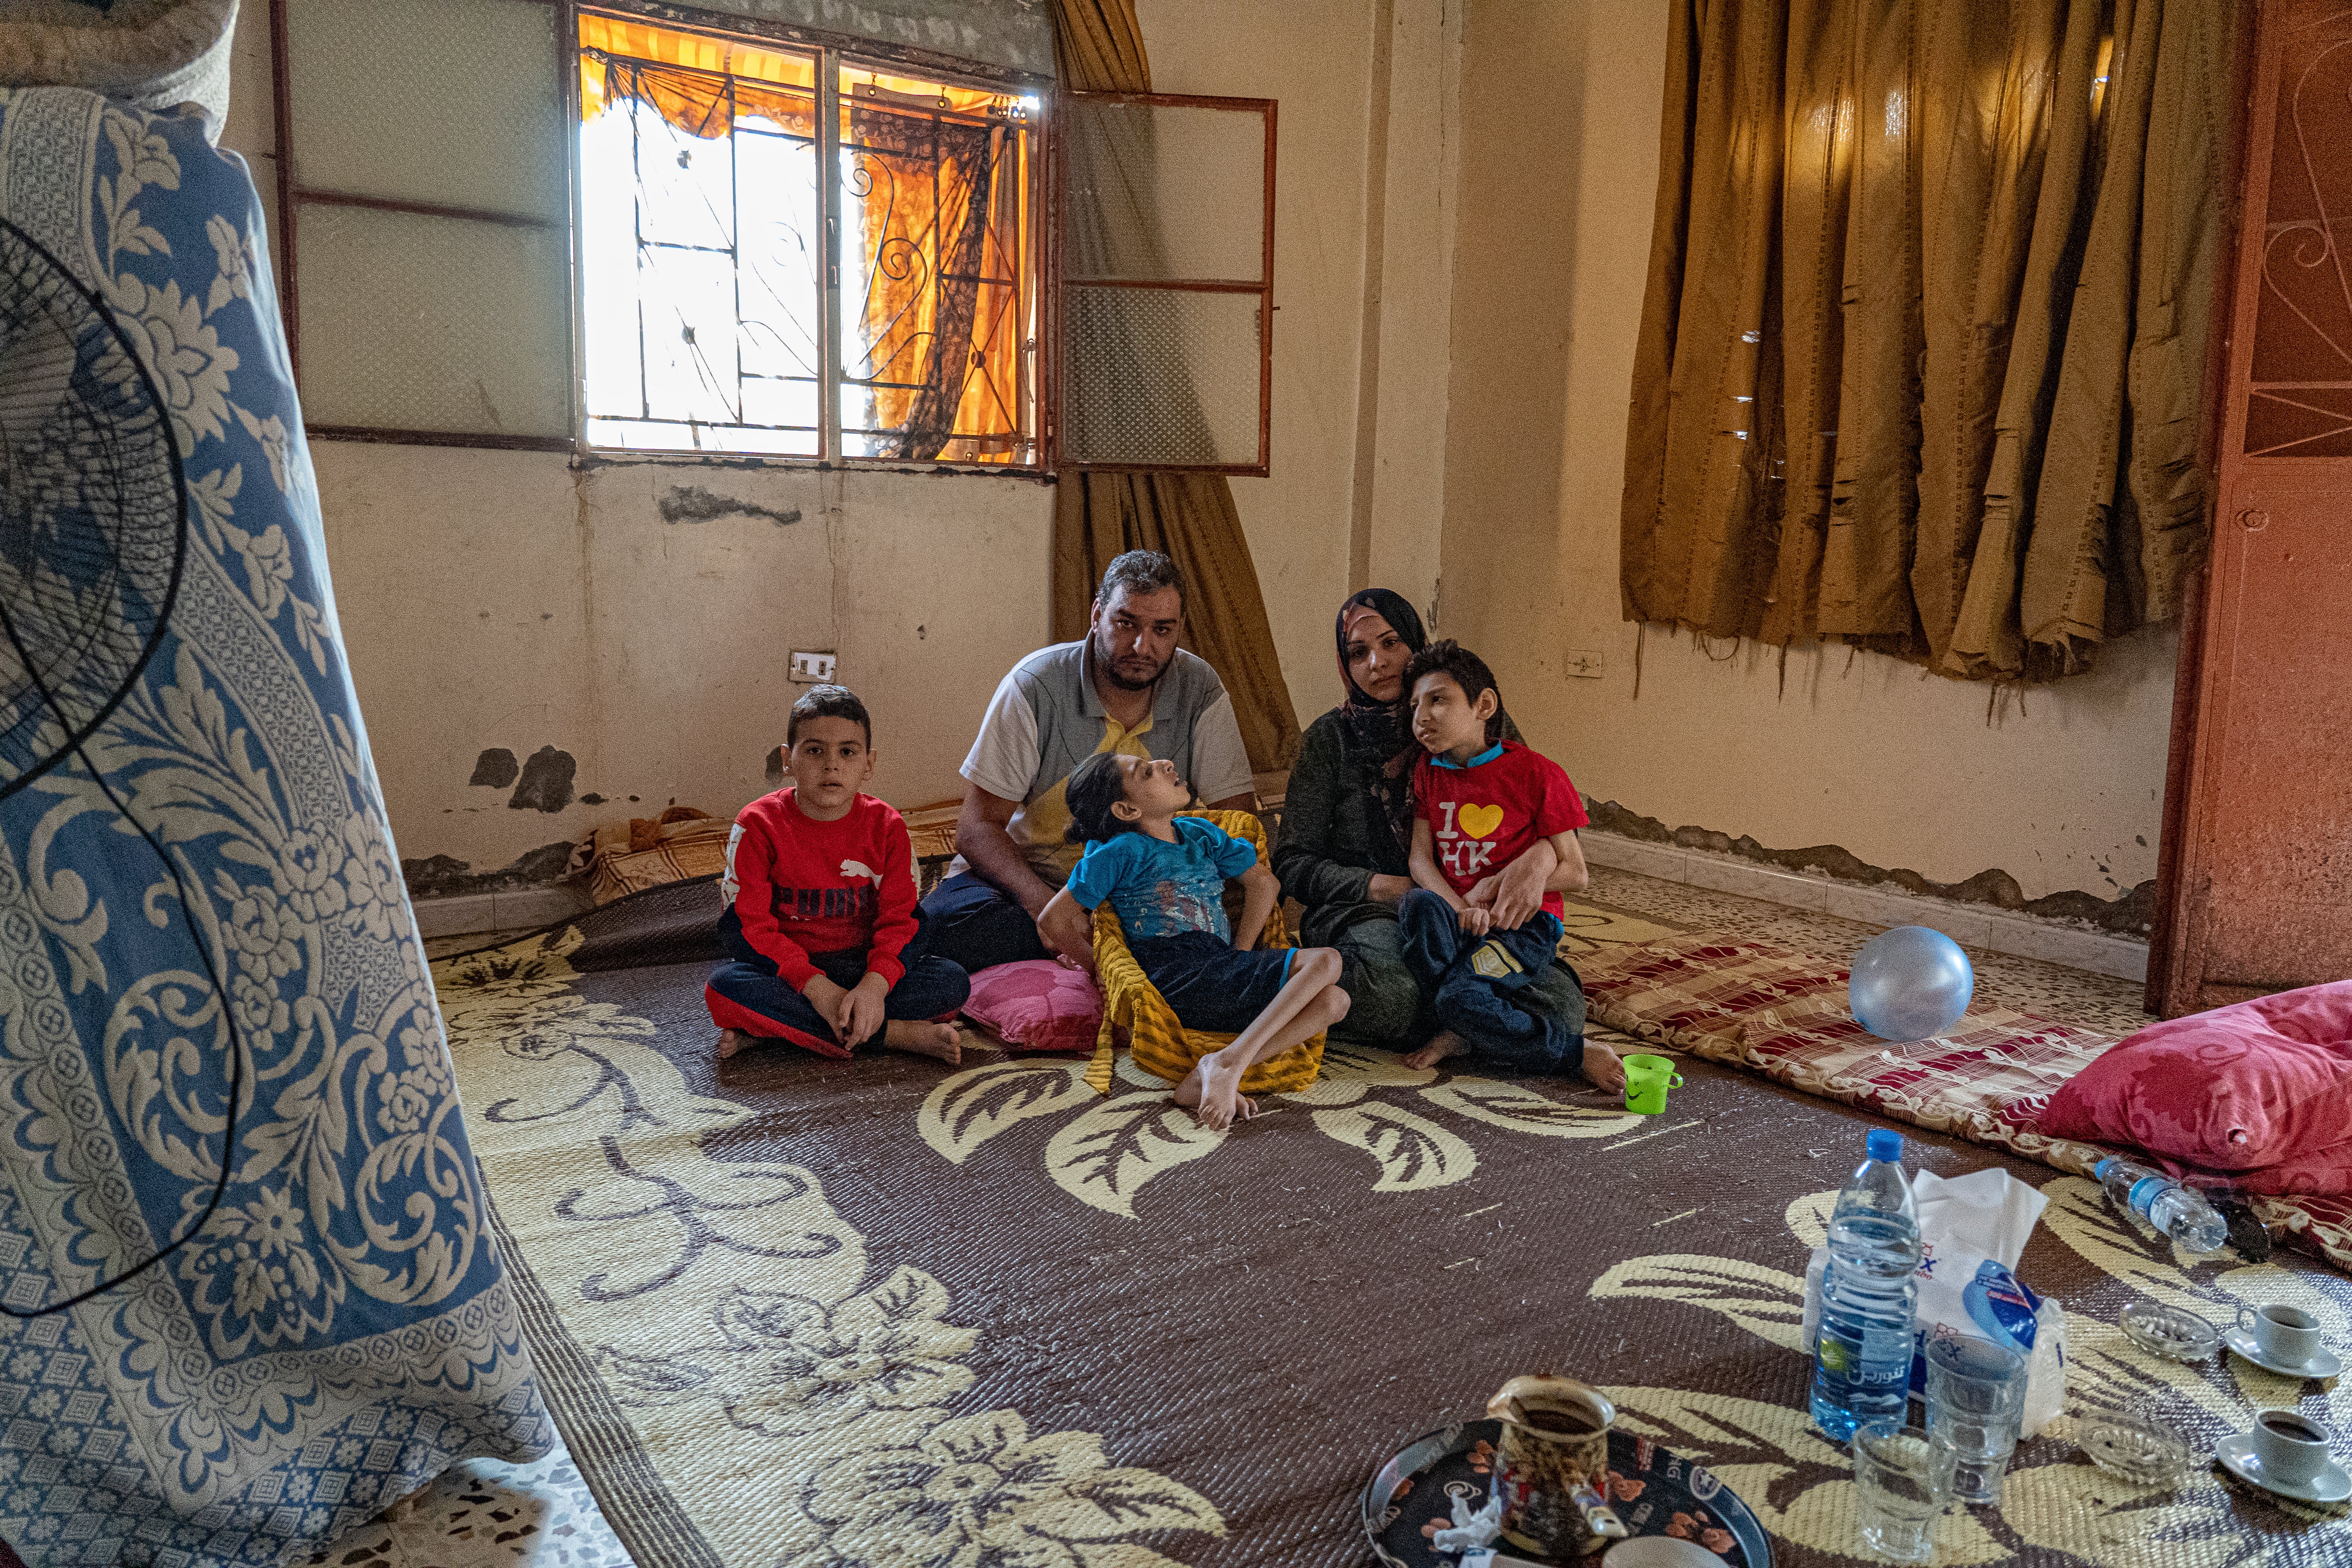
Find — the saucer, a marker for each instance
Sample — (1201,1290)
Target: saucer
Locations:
(2238,1456)
(2326,1363)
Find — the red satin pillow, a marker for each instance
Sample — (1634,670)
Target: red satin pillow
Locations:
(2245,1089)
(1037,1005)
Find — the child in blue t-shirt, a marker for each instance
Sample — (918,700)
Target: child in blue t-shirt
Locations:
(1165,875)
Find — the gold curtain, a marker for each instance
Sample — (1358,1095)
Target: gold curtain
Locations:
(1190,518)
(1926,322)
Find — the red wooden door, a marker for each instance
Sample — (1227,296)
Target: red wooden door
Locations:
(2255,887)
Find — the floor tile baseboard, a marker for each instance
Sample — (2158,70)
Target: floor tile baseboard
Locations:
(514,908)
(1997,930)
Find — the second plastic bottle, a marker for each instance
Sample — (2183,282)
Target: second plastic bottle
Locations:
(1862,1364)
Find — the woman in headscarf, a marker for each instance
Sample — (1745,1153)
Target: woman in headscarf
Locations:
(1346,825)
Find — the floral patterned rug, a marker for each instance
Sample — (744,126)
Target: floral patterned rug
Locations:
(819,1313)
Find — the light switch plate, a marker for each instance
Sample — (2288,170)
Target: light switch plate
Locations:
(809,669)
(1583,663)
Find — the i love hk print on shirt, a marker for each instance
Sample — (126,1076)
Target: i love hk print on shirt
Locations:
(1465,840)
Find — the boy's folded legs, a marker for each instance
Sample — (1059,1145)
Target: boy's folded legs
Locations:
(751,1000)
(1503,1001)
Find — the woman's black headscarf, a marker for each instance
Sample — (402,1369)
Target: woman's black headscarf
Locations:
(1379,744)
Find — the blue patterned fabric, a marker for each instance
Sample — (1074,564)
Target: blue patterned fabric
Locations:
(343,1328)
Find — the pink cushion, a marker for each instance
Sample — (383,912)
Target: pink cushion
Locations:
(1037,1004)
(2247,1088)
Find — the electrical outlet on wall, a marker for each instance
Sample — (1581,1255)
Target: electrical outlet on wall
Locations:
(810,669)
(1583,663)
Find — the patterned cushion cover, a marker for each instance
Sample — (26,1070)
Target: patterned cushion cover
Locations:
(2256,1084)
(1039,1004)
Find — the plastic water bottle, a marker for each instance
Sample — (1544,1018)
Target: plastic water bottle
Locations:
(1861,1360)
(2180,1213)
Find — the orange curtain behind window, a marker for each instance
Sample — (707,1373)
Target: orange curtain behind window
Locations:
(693,97)
(1191,518)
(941,202)
(942,265)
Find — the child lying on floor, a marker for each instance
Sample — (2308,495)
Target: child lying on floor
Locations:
(1165,875)
(822,931)
(1493,845)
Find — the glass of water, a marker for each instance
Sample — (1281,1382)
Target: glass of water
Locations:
(1976,1397)
(1905,1475)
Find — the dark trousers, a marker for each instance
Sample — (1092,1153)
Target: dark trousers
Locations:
(747,994)
(1489,989)
(974,925)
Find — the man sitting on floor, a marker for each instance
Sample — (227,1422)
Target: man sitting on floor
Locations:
(1125,687)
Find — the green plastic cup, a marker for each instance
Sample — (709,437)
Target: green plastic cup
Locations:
(1647,1079)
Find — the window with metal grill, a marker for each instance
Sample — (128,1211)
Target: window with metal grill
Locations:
(776,243)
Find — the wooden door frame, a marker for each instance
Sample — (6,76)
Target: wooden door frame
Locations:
(2174,972)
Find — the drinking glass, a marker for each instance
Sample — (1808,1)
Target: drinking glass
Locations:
(1976,1394)
(1905,1475)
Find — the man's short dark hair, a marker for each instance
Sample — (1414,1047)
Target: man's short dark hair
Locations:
(1095,786)
(828,702)
(1446,657)
(1139,571)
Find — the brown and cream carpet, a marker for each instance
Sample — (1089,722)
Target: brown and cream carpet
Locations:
(821,1314)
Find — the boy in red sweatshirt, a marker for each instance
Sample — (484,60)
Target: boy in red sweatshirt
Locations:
(821,928)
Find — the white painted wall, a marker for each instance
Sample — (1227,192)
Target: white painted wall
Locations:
(1315,57)
(499,599)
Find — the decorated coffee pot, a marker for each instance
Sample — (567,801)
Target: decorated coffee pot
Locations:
(1551,1466)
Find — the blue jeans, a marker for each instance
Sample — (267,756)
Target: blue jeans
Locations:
(747,994)
(973,924)
(1488,988)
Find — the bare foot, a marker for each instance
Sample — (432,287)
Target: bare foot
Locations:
(939,1041)
(1602,1067)
(1447,1042)
(731,1041)
(1221,1082)
(1188,1091)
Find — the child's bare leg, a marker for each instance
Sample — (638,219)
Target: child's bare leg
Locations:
(1228,1067)
(1444,1044)
(731,1041)
(1307,1003)
(939,1041)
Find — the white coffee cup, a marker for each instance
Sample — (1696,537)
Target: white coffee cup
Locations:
(2293,1448)
(2287,1335)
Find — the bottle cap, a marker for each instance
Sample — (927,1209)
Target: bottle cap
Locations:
(2099,1171)
(1885,1143)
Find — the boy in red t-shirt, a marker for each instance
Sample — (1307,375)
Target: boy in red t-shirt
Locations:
(821,927)
(1494,844)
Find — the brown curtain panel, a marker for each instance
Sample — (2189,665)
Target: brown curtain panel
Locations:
(1190,518)
(1925,323)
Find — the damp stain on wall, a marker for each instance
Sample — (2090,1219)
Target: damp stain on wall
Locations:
(692,503)
(546,784)
(496,768)
(2128,915)
(442,876)
(775,768)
